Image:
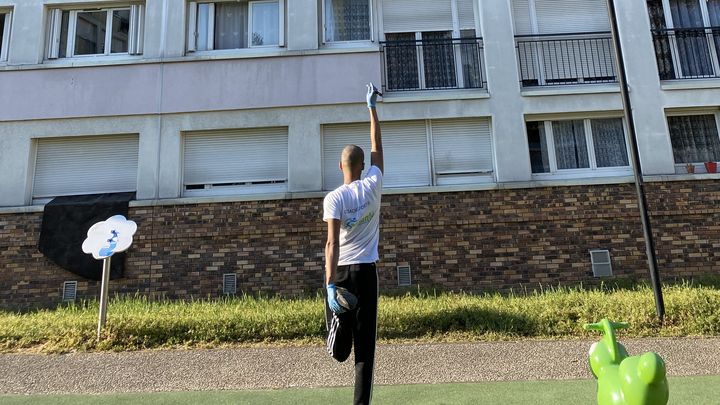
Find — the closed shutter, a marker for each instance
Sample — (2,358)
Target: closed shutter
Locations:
(85,165)
(335,137)
(462,146)
(245,160)
(466,14)
(417,15)
(569,16)
(521,17)
(404,148)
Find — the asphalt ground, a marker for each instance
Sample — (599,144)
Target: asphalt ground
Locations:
(310,366)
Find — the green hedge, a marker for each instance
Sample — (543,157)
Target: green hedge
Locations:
(136,323)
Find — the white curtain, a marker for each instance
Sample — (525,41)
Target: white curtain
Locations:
(694,138)
(347,20)
(570,146)
(609,142)
(230,25)
(692,45)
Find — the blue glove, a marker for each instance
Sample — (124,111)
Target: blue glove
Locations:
(372,94)
(332,301)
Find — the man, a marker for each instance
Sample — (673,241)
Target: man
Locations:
(352,213)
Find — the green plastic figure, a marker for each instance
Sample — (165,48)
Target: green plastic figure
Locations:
(624,380)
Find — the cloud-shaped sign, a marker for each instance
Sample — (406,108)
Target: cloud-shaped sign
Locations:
(110,236)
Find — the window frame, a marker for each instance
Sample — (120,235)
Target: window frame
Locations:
(192,35)
(136,31)
(436,179)
(674,48)
(5,42)
(360,42)
(680,167)
(455,33)
(593,170)
(251,187)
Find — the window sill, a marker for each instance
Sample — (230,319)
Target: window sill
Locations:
(433,95)
(690,84)
(573,89)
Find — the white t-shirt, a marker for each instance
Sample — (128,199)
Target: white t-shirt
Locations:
(357,206)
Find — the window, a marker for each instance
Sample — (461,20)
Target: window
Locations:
(235,25)
(563,42)
(694,138)
(5,20)
(417,153)
(577,146)
(687,37)
(239,161)
(96,32)
(431,45)
(85,165)
(347,20)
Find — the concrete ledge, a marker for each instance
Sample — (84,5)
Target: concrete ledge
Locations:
(690,84)
(592,181)
(571,89)
(195,57)
(434,95)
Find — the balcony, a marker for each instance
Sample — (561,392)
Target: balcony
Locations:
(687,53)
(565,59)
(433,64)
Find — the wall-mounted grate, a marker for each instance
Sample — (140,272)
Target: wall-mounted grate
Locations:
(69,291)
(404,276)
(229,283)
(601,265)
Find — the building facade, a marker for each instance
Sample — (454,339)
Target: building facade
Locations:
(507,161)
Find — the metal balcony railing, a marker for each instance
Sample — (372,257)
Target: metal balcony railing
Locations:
(566,59)
(687,53)
(433,64)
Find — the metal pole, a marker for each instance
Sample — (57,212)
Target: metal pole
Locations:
(104,294)
(637,169)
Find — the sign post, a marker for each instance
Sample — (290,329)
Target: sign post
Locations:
(103,240)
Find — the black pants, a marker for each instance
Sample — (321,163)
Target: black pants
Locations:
(358,326)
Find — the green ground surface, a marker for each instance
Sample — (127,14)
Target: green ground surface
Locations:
(703,390)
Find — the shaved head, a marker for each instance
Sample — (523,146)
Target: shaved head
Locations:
(352,157)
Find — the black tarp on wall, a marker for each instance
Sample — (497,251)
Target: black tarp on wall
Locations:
(65,223)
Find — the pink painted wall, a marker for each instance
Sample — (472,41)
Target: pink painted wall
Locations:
(187,86)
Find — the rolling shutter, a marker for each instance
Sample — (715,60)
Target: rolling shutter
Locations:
(462,146)
(560,16)
(417,16)
(569,16)
(404,147)
(85,165)
(242,159)
(521,17)
(335,137)
(466,14)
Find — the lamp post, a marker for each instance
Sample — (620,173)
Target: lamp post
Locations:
(637,169)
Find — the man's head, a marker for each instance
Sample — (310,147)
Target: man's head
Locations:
(352,161)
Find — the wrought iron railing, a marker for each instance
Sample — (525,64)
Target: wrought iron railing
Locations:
(433,64)
(687,53)
(566,59)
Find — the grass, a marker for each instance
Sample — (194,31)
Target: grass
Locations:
(683,391)
(137,323)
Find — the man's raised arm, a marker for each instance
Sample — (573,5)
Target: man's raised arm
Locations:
(376,150)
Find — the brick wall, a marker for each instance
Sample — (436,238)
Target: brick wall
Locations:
(472,241)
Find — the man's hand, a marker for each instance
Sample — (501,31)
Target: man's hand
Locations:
(372,94)
(332,300)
